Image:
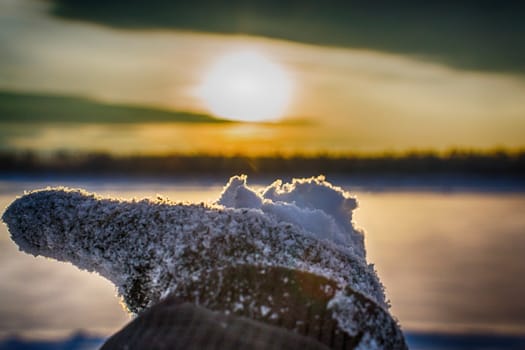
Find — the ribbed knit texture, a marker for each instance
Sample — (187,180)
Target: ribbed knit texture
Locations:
(173,325)
(261,307)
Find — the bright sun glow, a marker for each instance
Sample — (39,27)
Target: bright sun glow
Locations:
(246,86)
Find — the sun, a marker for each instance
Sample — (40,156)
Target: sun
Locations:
(246,86)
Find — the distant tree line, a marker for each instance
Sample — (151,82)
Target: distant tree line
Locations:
(456,162)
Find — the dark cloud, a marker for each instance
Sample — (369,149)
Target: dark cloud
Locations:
(472,34)
(34,108)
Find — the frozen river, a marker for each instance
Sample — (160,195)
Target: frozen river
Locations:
(451,261)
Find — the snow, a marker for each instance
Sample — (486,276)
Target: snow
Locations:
(265,310)
(147,247)
(320,209)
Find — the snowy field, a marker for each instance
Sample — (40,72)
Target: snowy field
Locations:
(451,262)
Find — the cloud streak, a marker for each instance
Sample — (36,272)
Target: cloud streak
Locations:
(479,35)
(28,108)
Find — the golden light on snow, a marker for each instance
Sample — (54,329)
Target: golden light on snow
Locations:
(246,86)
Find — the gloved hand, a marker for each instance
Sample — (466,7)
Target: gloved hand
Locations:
(152,249)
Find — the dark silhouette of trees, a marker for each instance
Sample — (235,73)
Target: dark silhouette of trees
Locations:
(415,163)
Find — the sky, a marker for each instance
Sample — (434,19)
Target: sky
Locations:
(360,76)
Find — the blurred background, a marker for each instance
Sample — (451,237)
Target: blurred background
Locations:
(417,108)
